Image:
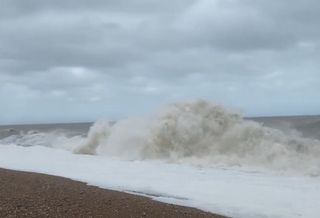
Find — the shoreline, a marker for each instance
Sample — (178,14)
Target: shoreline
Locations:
(26,194)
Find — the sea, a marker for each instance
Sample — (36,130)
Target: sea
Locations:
(196,154)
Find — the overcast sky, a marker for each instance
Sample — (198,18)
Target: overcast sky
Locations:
(79,60)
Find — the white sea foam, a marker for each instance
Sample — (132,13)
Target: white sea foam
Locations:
(205,134)
(229,192)
(52,139)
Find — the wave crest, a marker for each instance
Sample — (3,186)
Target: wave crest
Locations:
(203,133)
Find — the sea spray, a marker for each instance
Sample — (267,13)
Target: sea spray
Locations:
(98,134)
(204,134)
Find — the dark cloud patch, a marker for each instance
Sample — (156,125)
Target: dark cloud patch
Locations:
(14,8)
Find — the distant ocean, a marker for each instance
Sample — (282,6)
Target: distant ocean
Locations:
(308,126)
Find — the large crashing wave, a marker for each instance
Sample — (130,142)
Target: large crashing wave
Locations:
(204,134)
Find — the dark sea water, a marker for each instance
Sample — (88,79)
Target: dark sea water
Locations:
(307,126)
(71,129)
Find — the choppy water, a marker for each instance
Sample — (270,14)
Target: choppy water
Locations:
(199,133)
(308,126)
(70,129)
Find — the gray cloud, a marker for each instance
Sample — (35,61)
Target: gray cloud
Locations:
(94,58)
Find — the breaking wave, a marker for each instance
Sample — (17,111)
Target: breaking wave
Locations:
(204,134)
(198,133)
(52,139)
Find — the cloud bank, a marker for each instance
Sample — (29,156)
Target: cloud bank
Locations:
(81,60)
